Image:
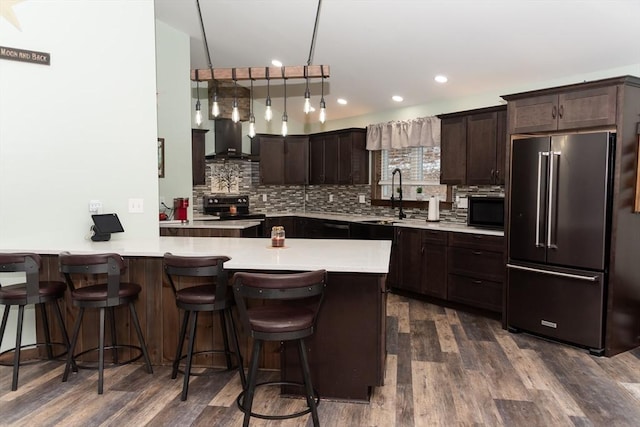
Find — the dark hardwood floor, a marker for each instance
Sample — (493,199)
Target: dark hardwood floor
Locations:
(444,367)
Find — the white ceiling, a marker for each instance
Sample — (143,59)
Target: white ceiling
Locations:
(380,48)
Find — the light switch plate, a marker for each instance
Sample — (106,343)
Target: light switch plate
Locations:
(463,203)
(361,199)
(136,205)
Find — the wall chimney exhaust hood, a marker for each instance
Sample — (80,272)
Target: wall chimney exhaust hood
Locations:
(228,141)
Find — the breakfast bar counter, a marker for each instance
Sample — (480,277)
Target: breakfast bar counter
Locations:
(347,353)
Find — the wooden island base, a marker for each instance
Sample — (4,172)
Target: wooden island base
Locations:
(346,354)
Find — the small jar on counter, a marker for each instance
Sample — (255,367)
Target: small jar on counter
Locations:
(277,236)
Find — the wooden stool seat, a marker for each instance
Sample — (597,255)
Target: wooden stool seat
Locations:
(293,318)
(105,297)
(35,292)
(194,298)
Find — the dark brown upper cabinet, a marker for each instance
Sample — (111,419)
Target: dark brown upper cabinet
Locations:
(473,146)
(198,156)
(339,157)
(571,109)
(283,160)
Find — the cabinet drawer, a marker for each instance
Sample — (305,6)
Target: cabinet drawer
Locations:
(477,241)
(476,263)
(435,237)
(474,292)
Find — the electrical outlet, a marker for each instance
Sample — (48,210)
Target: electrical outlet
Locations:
(463,203)
(136,205)
(95,206)
(331,197)
(306,197)
(361,199)
(264,197)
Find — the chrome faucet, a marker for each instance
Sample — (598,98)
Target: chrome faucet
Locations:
(401,214)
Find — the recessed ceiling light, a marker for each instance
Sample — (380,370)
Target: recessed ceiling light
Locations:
(440,78)
(397,98)
(342,101)
(276,63)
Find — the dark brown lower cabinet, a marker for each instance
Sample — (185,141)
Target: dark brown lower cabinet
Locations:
(459,267)
(476,270)
(421,259)
(347,362)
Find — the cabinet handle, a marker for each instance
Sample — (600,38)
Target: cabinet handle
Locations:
(493,173)
(561,111)
(422,250)
(497,175)
(477,252)
(554,111)
(478,282)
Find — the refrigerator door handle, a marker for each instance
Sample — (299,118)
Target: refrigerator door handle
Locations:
(539,244)
(554,273)
(550,224)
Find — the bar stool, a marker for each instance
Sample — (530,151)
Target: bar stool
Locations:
(35,292)
(212,296)
(293,319)
(104,296)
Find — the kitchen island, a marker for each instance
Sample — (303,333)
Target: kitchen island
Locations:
(347,353)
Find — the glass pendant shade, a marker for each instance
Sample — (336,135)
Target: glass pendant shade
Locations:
(215,107)
(198,114)
(268,113)
(323,111)
(285,128)
(252,126)
(235,113)
(307,102)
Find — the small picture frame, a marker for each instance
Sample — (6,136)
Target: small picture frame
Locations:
(160,157)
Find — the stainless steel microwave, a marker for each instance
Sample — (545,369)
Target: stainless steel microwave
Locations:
(485,211)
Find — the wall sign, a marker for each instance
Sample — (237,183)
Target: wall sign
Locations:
(14,54)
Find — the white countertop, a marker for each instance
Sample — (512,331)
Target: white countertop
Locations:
(411,223)
(355,256)
(213,223)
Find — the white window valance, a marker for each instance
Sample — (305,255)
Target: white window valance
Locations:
(420,132)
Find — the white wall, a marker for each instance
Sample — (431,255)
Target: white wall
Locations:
(484,100)
(174,96)
(84,127)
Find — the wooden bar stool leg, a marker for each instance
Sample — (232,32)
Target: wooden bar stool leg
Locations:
(72,346)
(187,369)
(225,339)
(3,326)
(143,345)
(183,333)
(47,334)
(65,336)
(249,391)
(114,339)
(16,355)
(101,353)
(236,345)
(308,387)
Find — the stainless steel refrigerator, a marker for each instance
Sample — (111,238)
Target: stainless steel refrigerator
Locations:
(559,216)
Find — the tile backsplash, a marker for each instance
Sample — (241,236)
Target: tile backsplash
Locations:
(339,199)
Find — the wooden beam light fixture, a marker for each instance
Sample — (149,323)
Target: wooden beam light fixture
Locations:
(262,73)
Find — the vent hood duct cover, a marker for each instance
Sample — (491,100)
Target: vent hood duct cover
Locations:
(228,140)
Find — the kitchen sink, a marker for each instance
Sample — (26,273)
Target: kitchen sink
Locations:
(379,221)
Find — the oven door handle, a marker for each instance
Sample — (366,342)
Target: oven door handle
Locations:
(554,273)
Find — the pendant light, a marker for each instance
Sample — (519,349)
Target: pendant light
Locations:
(252,119)
(268,114)
(235,114)
(284,115)
(198,117)
(323,106)
(215,107)
(307,93)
